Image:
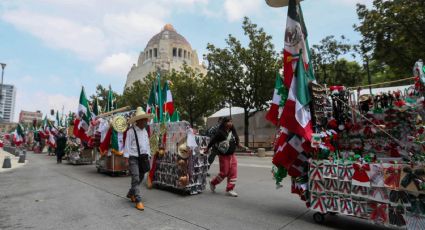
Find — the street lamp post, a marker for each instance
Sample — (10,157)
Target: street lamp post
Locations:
(3,65)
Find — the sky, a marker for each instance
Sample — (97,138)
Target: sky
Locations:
(54,47)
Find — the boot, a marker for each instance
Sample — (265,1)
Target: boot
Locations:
(132,198)
(140,206)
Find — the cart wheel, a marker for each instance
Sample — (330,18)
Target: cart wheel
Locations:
(319,218)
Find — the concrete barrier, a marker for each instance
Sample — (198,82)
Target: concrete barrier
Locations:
(21,158)
(261,152)
(7,163)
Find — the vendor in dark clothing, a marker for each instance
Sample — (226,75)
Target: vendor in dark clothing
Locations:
(60,145)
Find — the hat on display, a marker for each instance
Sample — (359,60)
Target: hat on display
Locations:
(279,3)
(140,114)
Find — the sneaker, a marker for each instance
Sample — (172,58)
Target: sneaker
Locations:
(232,193)
(212,187)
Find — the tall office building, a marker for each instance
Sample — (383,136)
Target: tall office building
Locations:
(7,103)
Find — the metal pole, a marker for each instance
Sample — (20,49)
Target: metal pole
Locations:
(3,65)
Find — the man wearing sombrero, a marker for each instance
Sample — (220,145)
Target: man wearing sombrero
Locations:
(137,150)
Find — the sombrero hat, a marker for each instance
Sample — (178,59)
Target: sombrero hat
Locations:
(364,97)
(183,150)
(140,114)
(278,3)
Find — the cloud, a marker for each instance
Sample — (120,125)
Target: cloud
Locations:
(236,9)
(86,41)
(117,64)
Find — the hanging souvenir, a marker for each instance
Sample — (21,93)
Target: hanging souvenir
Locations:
(346,205)
(376,175)
(413,180)
(414,221)
(360,207)
(392,173)
(399,198)
(318,202)
(345,171)
(395,215)
(332,201)
(330,169)
(344,187)
(316,170)
(360,176)
(317,186)
(360,191)
(331,185)
(379,213)
(379,194)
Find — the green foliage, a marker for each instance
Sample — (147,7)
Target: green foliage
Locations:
(102,97)
(393,33)
(244,76)
(193,95)
(137,94)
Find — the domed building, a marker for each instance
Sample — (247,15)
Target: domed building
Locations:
(166,50)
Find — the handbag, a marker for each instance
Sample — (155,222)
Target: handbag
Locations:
(223,146)
(144,163)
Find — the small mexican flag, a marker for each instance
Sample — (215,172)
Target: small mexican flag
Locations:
(84,113)
(110,106)
(117,142)
(168,103)
(151,105)
(273,113)
(18,135)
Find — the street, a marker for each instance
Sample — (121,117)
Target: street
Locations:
(45,195)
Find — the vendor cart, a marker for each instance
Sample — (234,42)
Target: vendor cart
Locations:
(179,163)
(82,157)
(112,165)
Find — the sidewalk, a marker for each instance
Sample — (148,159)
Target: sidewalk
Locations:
(14,161)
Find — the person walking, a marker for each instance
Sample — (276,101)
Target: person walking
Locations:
(137,150)
(227,140)
(60,145)
(211,133)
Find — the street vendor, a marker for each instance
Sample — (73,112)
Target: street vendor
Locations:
(60,145)
(227,140)
(137,150)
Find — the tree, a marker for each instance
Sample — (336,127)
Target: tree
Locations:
(394,32)
(193,94)
(244,76)
(102,96)
(325,56)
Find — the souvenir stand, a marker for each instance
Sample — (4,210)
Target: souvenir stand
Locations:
(108,138)
(367,158)
(179,163)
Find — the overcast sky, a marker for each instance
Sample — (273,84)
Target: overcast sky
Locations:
(53,47)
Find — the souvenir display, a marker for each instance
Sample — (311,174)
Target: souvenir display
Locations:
(183,165)
(366,158)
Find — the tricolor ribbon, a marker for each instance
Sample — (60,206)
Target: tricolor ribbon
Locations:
(317,201)
(392,175)
(360,190)
(332,201)
(346,205)
(317,186)
(316,170)
(360,209)
(332,185)
(379,191)
(345,172)
(345,187)
(379,212)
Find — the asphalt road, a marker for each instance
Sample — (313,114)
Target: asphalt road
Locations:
(45,195)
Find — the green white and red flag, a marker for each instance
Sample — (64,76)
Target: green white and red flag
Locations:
(296,116)
(168,106)
(273,113)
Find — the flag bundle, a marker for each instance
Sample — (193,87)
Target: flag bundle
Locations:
(18,135)
(81,124)
(293,142)
(160,102)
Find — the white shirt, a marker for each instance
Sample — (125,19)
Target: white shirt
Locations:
(130,148)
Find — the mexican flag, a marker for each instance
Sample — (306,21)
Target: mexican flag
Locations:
(175,117)
(296,116)
(117,142)
(46,127)
(105,140)
(159,97)
(273,113)
(95,107)
(84,113)
(58,120)
(110,106)
(151,105)
(168,103)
